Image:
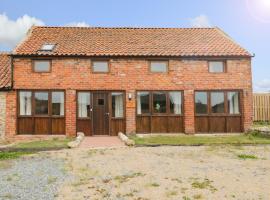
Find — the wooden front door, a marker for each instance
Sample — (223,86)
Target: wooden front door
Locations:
(100,113)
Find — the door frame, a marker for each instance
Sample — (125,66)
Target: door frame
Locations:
(90,119)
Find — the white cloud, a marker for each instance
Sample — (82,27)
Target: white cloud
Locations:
(262,86)
(12,31)
(78,24)
(201,21)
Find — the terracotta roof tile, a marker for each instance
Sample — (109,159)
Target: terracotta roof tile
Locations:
(5,71)
(130,42)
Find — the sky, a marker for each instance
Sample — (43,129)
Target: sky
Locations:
(246,21)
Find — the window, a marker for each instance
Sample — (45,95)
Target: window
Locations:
(100,66)
(201,102)
(159,66)
(143,103)
(117,104)
(83,104)
(101,102)
(41,103)
(25,103)
(217,105)
(217,102)
(159,102)
(58,103)
(162,102)
(233,102)
(42,65)
(216,66)
(175,102)
(47,47)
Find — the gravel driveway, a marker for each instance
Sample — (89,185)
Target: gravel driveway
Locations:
(31,178)
(168,173)
(227,172)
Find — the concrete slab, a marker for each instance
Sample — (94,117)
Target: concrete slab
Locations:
(101,142)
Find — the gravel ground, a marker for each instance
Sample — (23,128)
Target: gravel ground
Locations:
(31,178)
(180,173)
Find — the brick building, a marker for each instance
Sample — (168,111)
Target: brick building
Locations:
(5,86)
(136,80)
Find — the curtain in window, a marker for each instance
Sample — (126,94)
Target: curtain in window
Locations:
(233,98)
(139,105)
(25,103)
(58,103)
(62,99)
(143,106)
(84,104)
(175,102)
(117,101)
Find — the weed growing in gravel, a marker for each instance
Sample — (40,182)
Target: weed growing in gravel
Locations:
(186,198)
(153,185)
(177,180)
(81,181)
(247,156)
(205,184)
(7,196)
(127,177)
(183,190)
(171,193)
(51,179)
(5,165)
(198,196)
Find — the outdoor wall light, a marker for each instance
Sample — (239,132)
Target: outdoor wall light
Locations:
(129,96)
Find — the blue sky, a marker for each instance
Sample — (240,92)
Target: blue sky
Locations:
(246,21)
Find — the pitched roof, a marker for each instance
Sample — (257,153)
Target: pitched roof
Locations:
(5,71)
(95,41)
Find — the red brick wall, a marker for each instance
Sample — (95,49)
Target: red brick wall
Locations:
(131,75)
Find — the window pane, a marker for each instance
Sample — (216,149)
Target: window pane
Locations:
(84,104)
(201,102)
(158,66)
(217,102)
(175,102)
(42,66)
(41,103)
(143,103)
(216,66)
(47,47)
(25,103)
(233,102)
(117,104)
(58,103)
(159,102)
(100,66)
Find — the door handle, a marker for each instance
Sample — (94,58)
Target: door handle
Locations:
(107,114)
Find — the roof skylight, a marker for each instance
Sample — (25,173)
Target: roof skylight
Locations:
(47,47)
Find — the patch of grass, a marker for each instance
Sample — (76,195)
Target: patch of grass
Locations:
(171,193)
(198,196)
(51,179)
(55,143)
(251,138)
(25,148)
(260,124)
(247,156)
(127,177)
(205,184)
(153,185)
(12,155)
(186,198)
